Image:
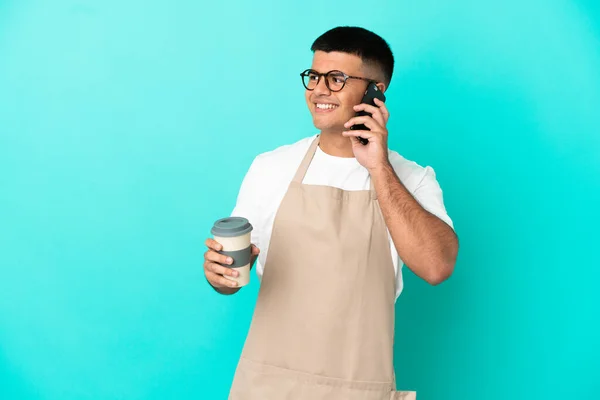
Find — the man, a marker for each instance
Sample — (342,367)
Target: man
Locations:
(337,219)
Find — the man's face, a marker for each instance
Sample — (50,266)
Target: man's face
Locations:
(331,110)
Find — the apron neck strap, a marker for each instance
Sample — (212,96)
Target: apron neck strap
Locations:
(301,172)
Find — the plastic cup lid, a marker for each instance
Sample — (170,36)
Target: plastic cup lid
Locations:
(231,227)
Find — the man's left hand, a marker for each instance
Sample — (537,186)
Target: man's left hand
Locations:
(374,154)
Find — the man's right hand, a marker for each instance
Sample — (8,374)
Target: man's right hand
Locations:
(215,271)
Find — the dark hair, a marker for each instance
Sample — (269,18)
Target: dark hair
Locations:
(370,47)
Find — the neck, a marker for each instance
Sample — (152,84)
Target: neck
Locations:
(334,144)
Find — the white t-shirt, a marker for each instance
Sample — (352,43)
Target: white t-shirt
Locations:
(270,174)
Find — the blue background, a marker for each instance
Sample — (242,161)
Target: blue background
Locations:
(116,121)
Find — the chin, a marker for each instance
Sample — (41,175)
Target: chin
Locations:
(324,127)
(327,125)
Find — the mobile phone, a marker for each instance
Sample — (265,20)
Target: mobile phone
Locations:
(371,94)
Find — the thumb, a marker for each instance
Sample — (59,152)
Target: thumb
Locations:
(255,250)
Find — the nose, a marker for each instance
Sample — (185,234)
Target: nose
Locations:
(321,88)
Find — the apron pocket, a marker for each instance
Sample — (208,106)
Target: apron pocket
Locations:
(403,395)
(256,381)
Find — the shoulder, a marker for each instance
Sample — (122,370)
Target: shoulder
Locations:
(422,183)
(282,159)
(283,152)
(409,172)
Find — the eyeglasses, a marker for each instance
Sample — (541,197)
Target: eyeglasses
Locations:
(334,80)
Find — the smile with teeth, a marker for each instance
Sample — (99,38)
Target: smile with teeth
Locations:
(326,106)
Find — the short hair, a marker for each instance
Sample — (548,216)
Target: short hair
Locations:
(370,47)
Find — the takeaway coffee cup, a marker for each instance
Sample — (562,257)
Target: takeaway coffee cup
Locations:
(233,234)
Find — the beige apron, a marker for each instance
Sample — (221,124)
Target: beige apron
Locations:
(323,326)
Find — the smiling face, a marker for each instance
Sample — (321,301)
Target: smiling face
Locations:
(331,110)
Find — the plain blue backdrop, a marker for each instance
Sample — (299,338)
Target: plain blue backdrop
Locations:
(117,121)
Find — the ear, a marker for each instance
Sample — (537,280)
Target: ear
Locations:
(381,86)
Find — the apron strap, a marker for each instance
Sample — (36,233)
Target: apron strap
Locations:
(301,172)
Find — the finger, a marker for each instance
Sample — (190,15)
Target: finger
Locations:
(219,269)
(218,258)
(355,141)
(219,281)
(255,250)
(374,111)
(356,134)
(213,244)
(383,108)
(368,121)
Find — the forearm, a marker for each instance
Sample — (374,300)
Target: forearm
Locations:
(426,244)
